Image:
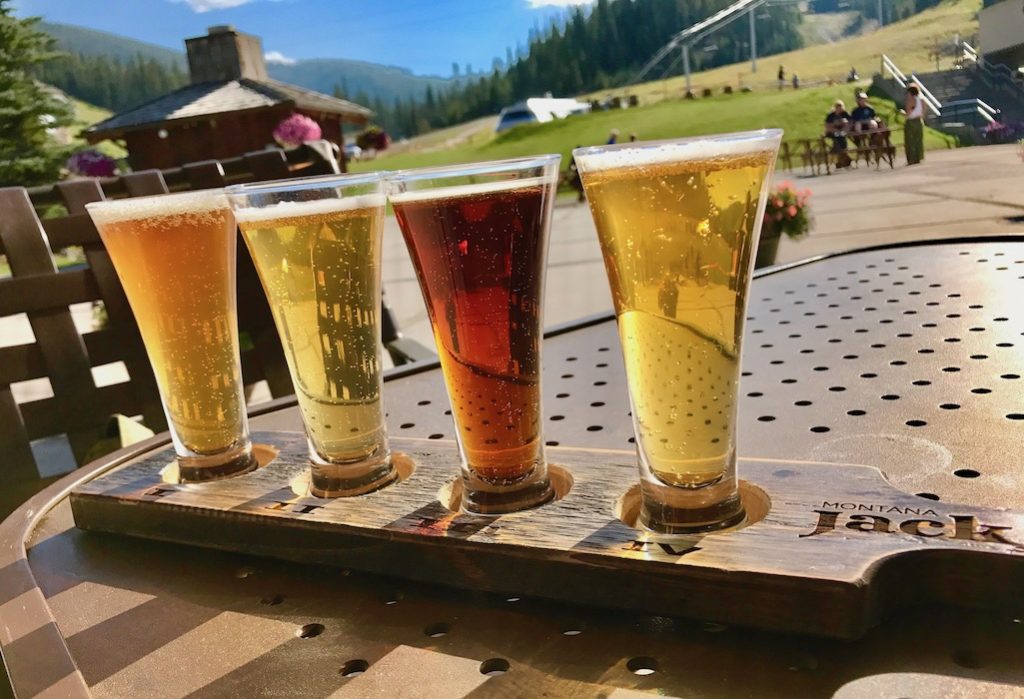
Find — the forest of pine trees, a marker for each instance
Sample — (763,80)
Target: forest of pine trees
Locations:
(110,83)
(592,49)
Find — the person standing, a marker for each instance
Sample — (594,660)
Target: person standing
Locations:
(613,137)
(782,77)
(913,129)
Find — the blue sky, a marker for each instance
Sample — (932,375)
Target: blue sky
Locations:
(426,36)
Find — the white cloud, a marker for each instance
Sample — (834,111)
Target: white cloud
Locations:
(278,57)
(534,4)
(207,5)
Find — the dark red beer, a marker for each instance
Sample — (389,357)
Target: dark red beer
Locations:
(479,252)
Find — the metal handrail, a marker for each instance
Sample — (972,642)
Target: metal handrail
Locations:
(897,74)
(973,102)
(969,52)
(972,107)
(929,99)
(1010,77)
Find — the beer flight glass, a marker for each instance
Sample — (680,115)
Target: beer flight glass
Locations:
(678,222)
(478,238)
(175,256)
(316,243)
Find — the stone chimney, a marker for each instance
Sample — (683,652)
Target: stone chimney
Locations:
(225,54)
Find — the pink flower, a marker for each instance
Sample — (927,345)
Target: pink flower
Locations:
(296,130)
(778,216)
(777,203)
(791,211)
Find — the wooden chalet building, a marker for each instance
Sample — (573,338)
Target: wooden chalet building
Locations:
(229,108)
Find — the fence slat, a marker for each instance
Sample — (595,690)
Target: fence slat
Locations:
(121,320)
(41,292)
(42,420)
(62,347)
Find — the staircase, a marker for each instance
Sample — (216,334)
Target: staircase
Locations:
(971,82)
(963,101)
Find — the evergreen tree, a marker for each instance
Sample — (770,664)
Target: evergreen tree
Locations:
(114,84)
(28,110)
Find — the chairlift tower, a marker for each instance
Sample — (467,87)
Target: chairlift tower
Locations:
(695,33)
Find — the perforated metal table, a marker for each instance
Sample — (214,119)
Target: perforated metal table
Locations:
(906,358)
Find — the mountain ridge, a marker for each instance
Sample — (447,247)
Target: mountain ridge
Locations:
(378,81)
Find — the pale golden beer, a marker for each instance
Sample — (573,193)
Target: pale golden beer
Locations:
(678,225)
(319,262)
(175,256)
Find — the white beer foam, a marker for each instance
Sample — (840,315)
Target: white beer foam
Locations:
(682,151)
(114,211)
(468,190)
(315,207)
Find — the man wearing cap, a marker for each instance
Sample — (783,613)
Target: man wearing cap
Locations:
(836,123)
(863,116)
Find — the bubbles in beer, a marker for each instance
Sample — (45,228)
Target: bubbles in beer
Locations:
(479,253)
(677,239)
(175,258)
(319,264)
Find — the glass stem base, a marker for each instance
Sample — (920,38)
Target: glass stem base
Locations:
(484,498)
(212,467)
(673,518)
(334,480)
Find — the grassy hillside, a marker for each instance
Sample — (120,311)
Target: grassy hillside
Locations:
(799,112)
(86,115)
(908,43)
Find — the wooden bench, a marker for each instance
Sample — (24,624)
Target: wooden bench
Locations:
(60,353)
(876,145)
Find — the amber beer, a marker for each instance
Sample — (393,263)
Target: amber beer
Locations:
(175,256)
(479,253)
(678,225)
(319,262)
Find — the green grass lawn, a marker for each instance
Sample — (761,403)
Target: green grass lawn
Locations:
(799,113)
(86,115)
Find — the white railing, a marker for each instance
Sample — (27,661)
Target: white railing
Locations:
(893,70)
(972,106)
(966,52)
(929,99)
(934,106)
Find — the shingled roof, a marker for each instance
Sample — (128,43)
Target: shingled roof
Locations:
(206,99)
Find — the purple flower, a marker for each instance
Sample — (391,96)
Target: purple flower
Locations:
(296,130)
(91,163)
(1003,131)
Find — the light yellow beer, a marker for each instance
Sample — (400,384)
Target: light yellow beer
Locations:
(678,227)
(319,262)
(175,256)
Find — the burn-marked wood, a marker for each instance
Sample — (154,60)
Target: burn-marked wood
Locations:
(836,548)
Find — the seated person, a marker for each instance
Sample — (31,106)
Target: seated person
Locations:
(863,116)
(836,123)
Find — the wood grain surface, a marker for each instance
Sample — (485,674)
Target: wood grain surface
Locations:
(837,546)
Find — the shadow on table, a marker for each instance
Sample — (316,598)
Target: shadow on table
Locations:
(549,646)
